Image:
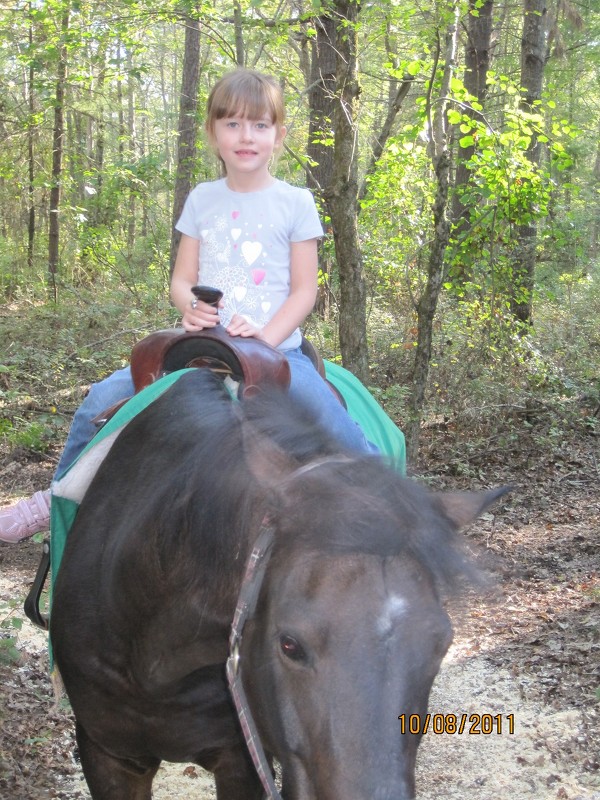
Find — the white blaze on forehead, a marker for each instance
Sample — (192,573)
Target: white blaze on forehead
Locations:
(393,607)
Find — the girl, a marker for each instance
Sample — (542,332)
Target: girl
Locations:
(255,238)
(250,235)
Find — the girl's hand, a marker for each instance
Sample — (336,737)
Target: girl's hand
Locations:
(199,315)
(240,326)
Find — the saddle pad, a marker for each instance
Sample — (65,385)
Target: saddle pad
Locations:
(377,427)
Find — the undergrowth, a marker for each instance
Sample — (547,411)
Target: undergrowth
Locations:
(51,352)
(488,387)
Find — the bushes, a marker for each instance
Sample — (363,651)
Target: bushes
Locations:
(487,380)
(51,352)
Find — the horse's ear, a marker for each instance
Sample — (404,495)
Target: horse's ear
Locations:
(464,507)
(267,462)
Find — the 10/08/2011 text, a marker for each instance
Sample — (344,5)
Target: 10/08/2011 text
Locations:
(474,724)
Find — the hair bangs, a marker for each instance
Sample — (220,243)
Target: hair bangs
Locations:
(247,94)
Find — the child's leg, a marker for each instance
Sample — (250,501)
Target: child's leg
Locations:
(309,388)
(103,395)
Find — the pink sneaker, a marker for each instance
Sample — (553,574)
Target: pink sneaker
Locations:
(25,518)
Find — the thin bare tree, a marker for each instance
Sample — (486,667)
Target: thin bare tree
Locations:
(188,126)
(426,304)
(58,131)
(533,61)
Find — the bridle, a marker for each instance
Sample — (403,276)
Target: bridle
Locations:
(247,599)
(246,604)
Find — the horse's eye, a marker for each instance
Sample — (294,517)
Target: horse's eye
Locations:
(291,648)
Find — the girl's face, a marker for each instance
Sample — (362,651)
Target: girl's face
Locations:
(245,145)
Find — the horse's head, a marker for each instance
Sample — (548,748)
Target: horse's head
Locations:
(350,632)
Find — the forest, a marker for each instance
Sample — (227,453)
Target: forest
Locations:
(453,149)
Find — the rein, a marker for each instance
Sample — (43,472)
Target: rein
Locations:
(247,599)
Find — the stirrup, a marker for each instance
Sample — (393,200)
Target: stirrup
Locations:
(32,601)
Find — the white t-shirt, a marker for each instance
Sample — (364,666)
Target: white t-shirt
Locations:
(245,245)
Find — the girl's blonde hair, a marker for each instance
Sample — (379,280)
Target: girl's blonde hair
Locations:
(248,93)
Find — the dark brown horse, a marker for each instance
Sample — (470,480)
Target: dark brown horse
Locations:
(347,634)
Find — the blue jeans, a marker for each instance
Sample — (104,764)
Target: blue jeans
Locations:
(102,395)
(309,389)
(306,386)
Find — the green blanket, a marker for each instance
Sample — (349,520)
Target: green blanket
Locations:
(374,422)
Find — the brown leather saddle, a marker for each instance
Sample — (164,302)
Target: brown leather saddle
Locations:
(251,363)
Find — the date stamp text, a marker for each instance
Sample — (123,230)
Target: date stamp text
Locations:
(473,724)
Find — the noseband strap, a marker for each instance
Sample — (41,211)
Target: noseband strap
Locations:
(247,599)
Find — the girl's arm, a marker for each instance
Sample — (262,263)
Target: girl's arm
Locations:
(299,303)
(185,275)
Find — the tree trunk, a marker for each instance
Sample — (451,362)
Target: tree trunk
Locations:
(343,195)
(30,155)
(240,56)
(120,113)
(131,138)
(427,303)
(142,148)
(321,100)
(533,60)
(164,92)
(595,229)
(97,216)
(394,106)
(477,62)
(57,152)
(187,128)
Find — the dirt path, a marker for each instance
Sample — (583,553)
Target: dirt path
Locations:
(530,649)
